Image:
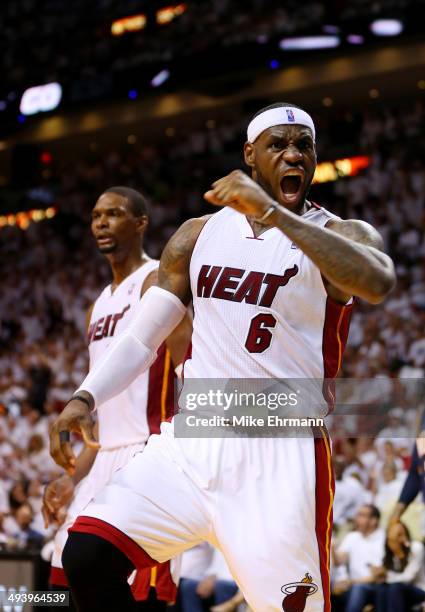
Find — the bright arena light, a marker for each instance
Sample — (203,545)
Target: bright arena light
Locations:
(303,43)
(40,99)
(160,78)
(168,13)
(23,219)
(339,168)
(386,27)
(132,23)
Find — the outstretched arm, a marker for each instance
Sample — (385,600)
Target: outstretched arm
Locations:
(348,253)
(161,309)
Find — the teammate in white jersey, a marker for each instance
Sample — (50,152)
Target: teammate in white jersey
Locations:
(119,220)
(261,309)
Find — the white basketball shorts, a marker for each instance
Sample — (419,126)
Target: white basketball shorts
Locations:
(106,463)
(266,503)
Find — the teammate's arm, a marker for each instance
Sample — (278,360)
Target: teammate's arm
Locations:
(348,253)
(161,309)
(58,493)
(178,341)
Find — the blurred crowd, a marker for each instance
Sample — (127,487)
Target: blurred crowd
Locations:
(74,45)
(52,272)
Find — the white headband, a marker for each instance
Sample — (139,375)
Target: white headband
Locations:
(282,115)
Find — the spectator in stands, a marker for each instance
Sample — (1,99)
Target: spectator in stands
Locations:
(360,551)
(38,457)
(349,493)
(396,431)
(18,495)
(389,487)
(202,581)
(24,534)
(403,571)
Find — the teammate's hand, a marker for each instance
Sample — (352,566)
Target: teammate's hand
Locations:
(74,417)
(56,497)
(240,192)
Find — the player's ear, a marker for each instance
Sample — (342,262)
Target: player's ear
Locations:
(249,154)
(142,222)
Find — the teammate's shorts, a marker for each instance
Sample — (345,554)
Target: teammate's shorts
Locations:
(107,462)
(266,503)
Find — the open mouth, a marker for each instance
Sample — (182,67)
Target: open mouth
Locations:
(290,186)
(104,240)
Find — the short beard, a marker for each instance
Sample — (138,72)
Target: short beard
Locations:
(108,250)
(265,184)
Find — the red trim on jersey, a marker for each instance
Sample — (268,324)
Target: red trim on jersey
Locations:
(88,524)
(325,489)
(57,577)
(335,334)
(315,205)
(158,577)
(160,404)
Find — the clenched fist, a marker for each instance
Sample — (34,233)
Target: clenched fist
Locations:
(240,192)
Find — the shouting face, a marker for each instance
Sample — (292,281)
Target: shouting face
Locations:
(283,161)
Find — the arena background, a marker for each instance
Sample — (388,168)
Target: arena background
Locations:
(157,97)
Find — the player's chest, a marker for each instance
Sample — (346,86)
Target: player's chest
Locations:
(111,316)
(241,269)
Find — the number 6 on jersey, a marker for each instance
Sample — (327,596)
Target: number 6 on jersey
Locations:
(259,335)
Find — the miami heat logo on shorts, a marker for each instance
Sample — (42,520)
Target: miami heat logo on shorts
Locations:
(297,593)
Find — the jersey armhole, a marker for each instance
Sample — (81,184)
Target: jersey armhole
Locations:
(197,239)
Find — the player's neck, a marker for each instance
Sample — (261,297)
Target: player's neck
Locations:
(123,267)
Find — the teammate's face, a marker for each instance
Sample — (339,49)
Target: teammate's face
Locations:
(283,161)
(114,224)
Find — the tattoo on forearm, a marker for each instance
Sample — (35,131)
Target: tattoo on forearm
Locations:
(346,253)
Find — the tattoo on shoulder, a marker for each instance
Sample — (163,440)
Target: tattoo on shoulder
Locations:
(180,246)
(359,231)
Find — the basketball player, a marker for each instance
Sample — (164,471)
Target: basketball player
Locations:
(271,276)
(119,220)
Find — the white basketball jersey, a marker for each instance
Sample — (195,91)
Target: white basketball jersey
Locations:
(136,412)
(260,306)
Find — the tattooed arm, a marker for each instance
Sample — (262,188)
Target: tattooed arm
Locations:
(173,273)
(348,253)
